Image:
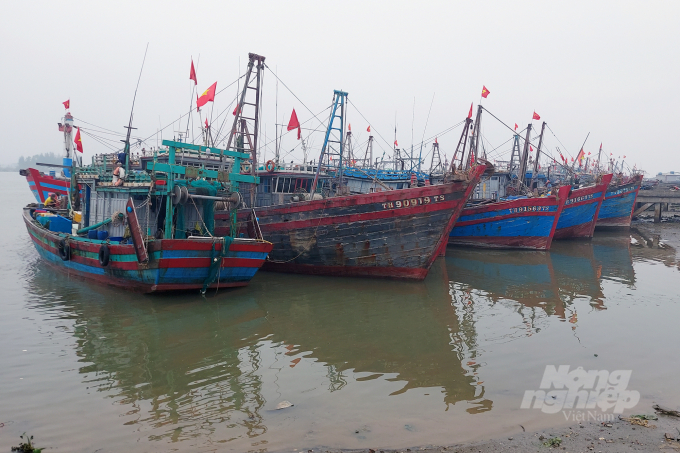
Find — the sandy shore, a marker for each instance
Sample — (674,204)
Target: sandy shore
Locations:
(616,436)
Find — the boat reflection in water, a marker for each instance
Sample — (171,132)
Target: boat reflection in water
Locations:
(407,331)
(539,284)
(183,369)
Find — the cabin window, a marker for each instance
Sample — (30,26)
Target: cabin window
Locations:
(266,185)
(400,185)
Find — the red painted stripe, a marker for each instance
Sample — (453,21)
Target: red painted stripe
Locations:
(189,286)
(623,221)
(199,245)
(174,263)
(351,218)
(354,200)
(584,230)
(523,242)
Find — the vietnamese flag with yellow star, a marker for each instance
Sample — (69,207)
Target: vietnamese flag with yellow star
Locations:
(78,141)
(207,96)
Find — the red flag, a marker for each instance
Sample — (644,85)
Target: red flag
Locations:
(515,126)
(572,159)
(536,117)
(395,143)
(470,114)
(531,149)
(580,156)
(369,128)
(349,127)
(192,74)
(435,140)
(624,157)
(67,104)
(235,112)
(600,146)
(78,141)
(206,123)
(589,153)
(207,96)
(485,92)
(294,123)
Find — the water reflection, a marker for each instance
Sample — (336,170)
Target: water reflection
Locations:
(185,368)
(538,284)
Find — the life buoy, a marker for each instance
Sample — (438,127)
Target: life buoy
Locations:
(269,166)
(64,250)
(104,255)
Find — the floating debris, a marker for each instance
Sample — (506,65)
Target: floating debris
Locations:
(284,405)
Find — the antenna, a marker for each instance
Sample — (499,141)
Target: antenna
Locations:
(132,110)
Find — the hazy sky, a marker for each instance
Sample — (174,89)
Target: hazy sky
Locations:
(611,68)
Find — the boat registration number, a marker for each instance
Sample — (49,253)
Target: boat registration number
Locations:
(529,209)
(578,199)
(410,202)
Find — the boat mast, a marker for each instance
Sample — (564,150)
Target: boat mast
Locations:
(338,102)
(460,148)
(239,133)
(474,143)
(523,162)
(534,174)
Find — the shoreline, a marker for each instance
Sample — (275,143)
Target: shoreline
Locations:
(619,435)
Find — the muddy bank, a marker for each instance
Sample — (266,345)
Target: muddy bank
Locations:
(619,435)
(663,237)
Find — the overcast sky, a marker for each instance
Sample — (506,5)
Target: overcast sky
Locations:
(608,68)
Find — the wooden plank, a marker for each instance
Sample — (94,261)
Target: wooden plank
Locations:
(136,232)
(643,208)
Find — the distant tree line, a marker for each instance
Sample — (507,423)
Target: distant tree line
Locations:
(30,161)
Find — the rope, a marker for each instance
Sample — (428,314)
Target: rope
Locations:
(309,242)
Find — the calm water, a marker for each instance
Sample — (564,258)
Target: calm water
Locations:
(366,363)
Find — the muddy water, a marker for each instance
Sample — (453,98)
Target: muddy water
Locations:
(365,363)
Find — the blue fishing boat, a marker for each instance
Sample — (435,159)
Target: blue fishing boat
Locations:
(618,204)
(519,222)
(581,210)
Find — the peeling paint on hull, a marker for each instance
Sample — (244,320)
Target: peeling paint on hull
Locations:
(390,234)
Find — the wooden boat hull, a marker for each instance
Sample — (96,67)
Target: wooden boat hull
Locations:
(389,234)
(618,205)
(174,264)
(581,210)
(524,223)
(42,185)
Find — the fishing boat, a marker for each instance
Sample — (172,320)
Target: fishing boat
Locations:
(518,222)
(527,221)
(386,233)
(125,252)
(153,231)
(619,202)
(581,210)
